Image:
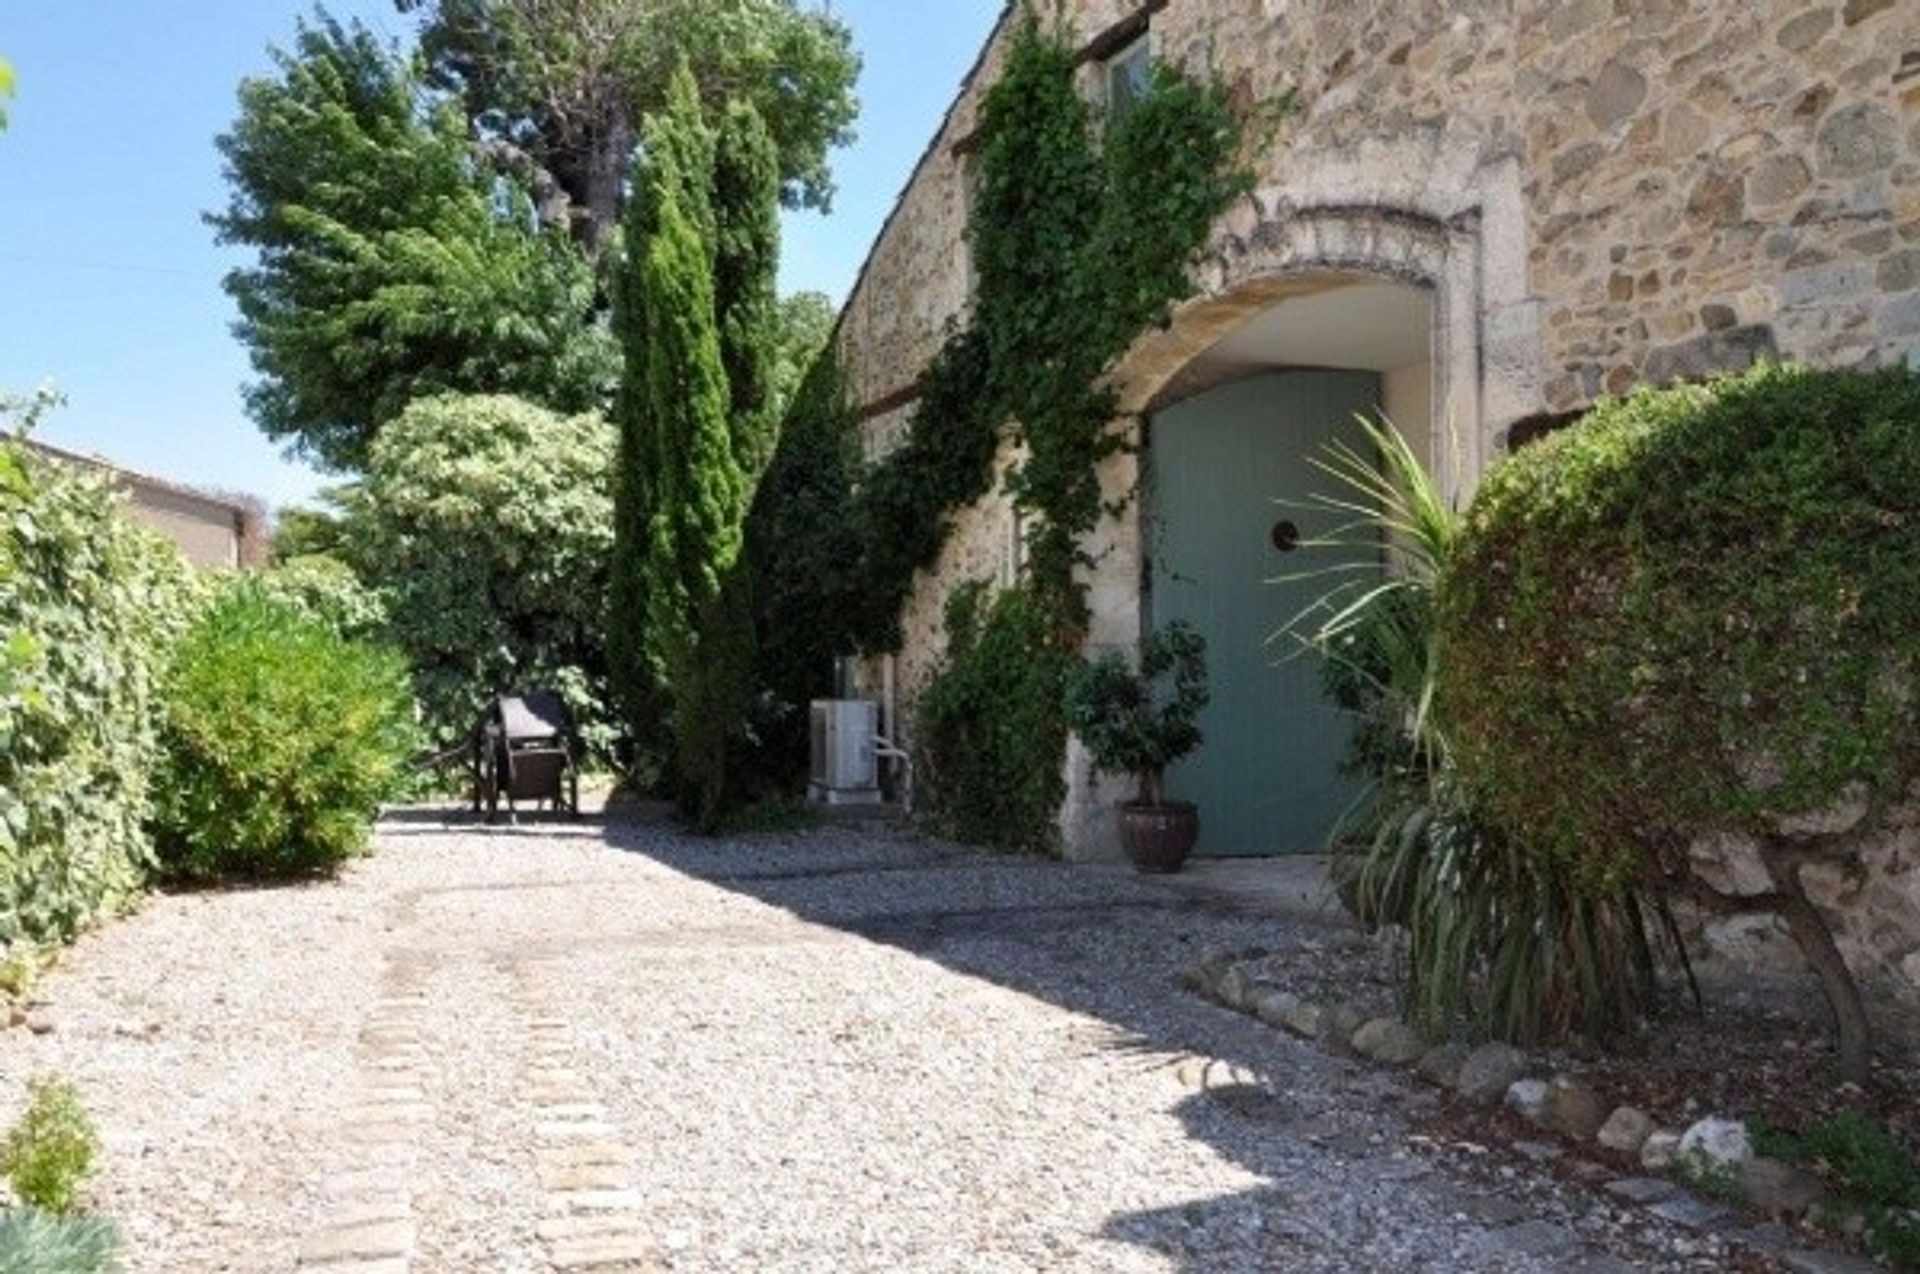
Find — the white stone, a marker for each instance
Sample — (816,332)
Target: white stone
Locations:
(1731,864)
(1626,1130)
(1527,1097)
(1843,816)
(1489,1070)
(1723,1143)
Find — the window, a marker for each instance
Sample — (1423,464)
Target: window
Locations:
(1129,77)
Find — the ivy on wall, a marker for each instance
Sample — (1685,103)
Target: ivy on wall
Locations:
(1083,232)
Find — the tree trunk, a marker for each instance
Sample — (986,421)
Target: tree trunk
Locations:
(606,179)
(1815,940)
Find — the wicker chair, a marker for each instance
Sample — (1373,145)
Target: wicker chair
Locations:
(525,749)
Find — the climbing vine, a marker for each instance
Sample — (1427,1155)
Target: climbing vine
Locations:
(1083,231)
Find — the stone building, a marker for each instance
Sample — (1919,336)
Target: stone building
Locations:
(212,531)
(1482,215)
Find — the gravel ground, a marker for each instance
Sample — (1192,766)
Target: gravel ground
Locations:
(846,1048)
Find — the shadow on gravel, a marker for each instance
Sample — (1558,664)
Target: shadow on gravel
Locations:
(1106,944)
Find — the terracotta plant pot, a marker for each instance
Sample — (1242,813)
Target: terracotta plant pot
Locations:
(1159,837)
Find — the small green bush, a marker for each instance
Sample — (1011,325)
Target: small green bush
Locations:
(1129,726)
(1875,1171)
(89,609)
(992,737)
(36,1242)
(49,1153)
(282,739)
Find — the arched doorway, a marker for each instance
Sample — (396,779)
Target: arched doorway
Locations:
(1230,485)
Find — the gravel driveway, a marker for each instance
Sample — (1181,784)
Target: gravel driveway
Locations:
(604,1045)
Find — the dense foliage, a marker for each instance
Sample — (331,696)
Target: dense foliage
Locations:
(301,530)
(392,263)
(1082,235)
(323,589)
(89,608)
(282,739)
(1497,941)
(805,324)
(487,521)
(1081,239)
(1701,609)
(804,552)
(49,1151)
(1138,721)
(6,90)
(990,729)
(567,85)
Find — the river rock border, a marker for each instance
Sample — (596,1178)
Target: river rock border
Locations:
(1714,1154)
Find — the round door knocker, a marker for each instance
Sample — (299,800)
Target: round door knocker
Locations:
(1286,536)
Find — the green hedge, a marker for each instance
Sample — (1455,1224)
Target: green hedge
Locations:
(89,607)
(1696,610)
(282,738)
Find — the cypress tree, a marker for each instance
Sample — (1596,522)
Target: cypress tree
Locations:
(698,316)
(676,156)
(746,195)
(699,494)
(713,697)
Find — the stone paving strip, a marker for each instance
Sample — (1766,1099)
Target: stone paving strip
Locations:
(369,1225)
(594,1215)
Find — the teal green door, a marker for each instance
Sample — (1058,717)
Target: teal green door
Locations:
(1267,776)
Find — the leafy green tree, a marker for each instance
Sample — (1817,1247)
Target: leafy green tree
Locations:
(6,89)
(567,83)
(392,263)
(803,328)
(486,523)
(300,531)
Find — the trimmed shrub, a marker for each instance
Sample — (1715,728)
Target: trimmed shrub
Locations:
(36,1242)
(89,608)
(282,738)
(992,736)
(1697,611)
(486,524)
(49,1153)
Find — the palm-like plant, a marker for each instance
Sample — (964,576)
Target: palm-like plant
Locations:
(1498,941)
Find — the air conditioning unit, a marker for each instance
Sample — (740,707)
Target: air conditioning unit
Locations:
(845,771)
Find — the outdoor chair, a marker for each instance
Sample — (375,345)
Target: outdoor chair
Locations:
(525,749)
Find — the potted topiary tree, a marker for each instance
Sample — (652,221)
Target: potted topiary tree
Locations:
(1130,724)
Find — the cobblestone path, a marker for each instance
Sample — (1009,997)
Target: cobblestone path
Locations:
(606,1046)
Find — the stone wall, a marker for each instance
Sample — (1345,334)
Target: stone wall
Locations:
(1867,885)
(1597,192)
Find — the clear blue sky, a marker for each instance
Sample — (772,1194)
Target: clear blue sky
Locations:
(110,283)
